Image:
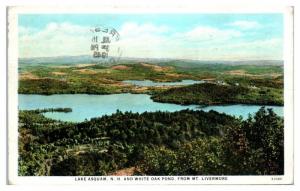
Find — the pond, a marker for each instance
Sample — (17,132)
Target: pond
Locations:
(86,106)
(149,83)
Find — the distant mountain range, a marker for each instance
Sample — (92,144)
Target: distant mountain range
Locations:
(160,61)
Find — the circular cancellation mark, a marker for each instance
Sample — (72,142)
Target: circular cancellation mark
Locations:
(104,45)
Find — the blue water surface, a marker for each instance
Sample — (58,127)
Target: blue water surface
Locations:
(149,83)
(86,106)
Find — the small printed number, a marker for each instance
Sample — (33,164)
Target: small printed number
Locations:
(276,178)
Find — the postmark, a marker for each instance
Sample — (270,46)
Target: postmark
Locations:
(125,139)
(104,44)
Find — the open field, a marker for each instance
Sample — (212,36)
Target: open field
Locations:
(261,84)
(154,143)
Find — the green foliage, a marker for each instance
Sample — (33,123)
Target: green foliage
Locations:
(212,94)
(198,157)
(158,143)
(102,79)
(159,161)
(42,86)
(94,79)
(251,147)
(81,165)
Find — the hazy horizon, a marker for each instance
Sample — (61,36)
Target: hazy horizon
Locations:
(86,55)
(177,36)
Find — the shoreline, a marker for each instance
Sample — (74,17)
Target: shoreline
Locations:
(200,105)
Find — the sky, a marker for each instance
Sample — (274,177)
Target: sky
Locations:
(178,36)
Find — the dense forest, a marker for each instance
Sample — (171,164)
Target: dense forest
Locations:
(213,94)
(152,143)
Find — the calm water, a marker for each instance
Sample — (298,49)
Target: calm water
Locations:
(151,83)
(87,106)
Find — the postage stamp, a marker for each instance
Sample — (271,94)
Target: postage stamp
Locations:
(175,96)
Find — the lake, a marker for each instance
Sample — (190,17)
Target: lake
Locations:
(149,83)
(86,106)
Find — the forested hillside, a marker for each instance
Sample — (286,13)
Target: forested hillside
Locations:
(157,143)
(214,94)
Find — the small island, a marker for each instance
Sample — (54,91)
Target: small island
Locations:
(185,142)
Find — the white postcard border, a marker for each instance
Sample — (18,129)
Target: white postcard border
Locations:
(13,98)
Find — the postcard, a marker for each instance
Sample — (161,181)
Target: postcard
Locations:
(138,95)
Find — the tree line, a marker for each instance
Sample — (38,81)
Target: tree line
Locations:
(155,143)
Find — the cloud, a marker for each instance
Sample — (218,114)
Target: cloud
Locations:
(245,24)
(143,40)
(267,49)
(204,33)
(56,39)
(258,44)
(26,30)
(157,41)
(149,40)
(133,29)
